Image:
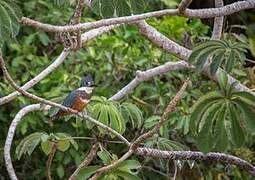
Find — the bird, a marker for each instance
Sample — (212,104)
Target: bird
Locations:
(78,98)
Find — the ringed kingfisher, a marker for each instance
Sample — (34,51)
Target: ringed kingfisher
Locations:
(78,98)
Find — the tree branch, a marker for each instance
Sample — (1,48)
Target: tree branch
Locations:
(89,158)
(194,155)
(201,13)
(10,135)
(85,38)
(142,76)
(112,166)
(218,22)
(50,158)
(184,4)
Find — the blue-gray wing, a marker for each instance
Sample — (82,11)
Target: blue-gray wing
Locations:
(70,98)
(68,101)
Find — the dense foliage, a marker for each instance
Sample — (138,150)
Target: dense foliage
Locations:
(221,119)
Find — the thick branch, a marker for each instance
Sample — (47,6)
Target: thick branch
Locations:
(202,13)
(89,158)
(193,155)
(85,38)
(142,76)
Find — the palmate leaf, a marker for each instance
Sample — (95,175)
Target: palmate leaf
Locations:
(220,137)
(131,113)
(236,130)
(10,13)
(205,138)
(107,113)
(221,51)
(217,59)
(201,106)
(218,121)
(168,145)
(248,114)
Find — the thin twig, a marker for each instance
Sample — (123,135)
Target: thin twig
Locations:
(89,158)
(50,158)
(184,4)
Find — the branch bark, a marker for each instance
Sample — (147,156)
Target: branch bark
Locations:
(142,76)
(201,13)
(218,22)
(50,159)
(184,4)
(10,135)
(194,155)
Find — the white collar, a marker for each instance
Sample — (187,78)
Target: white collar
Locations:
(88,90)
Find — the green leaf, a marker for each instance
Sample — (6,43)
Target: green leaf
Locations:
(131,113)
(28,144)
(60,171)
(236,130)
(223,80)
(205,139)
(129,165)
(43,37)
(46,146)
(246,97)
(221,137)
(230,61)
(107,8)
(168,145)
(217,60)
(201,106)
(196,52)
(5,26)
(63,145)
(248,115)
(122,8)
(125,175)
(105,156)
(86,172)
(151,121)
(63,141)
(137,6)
